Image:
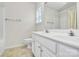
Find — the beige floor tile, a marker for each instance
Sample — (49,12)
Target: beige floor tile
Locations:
(17,52)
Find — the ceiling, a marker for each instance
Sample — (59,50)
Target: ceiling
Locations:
(56,5)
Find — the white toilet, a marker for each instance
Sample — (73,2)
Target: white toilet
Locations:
(28,42)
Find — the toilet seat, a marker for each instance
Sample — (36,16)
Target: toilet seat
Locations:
(28,42)
(28,39)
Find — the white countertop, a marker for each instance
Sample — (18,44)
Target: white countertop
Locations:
(61,37)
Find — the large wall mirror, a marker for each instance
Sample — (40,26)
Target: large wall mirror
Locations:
(60,15)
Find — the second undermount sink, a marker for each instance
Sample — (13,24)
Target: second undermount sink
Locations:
(67,37)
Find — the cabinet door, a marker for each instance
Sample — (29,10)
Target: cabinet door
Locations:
(46,53)
(33,46)
(64,50)
(50,44)
(37,49)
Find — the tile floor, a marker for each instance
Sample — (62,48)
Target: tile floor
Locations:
(17,52)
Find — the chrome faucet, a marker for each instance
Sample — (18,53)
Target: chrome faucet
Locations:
(46,31)
(71,33)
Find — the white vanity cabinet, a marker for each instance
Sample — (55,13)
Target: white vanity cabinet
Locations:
(47,47)
(33,46)
(46,52)
(51,45)
(66,51)
(43,47)
(37,49)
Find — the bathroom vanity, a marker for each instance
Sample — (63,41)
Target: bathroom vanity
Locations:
(57,43)
(54,45)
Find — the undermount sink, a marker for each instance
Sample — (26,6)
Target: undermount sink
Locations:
(67,37)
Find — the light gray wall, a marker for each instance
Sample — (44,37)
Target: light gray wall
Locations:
(2,27)
(51,18)
(17,31)
(63,19)
(1,23)
(77,15)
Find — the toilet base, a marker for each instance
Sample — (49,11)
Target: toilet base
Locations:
(28,42)
(28,46)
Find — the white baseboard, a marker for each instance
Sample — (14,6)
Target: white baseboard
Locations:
(14,46)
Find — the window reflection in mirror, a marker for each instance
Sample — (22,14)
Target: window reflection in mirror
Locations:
(60,15)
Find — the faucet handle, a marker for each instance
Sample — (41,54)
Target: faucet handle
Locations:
(46,31)
(71,33)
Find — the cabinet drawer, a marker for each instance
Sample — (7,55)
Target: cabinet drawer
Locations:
(46,42)
(64,50)
(46,53)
